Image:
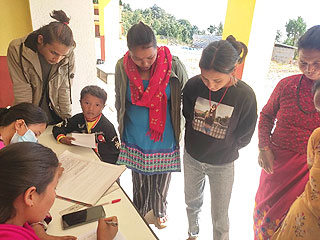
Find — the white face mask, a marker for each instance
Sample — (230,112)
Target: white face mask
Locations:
(29,136)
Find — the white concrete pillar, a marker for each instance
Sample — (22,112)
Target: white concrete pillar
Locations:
(111,33)
(261,42)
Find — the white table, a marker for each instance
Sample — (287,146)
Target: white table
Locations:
(104,70)
(131,224)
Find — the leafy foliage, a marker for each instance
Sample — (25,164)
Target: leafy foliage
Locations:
(163,24)
(278,36)
(295,29)
(212,29)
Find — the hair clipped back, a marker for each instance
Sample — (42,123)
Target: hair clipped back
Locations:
(240,47)
(222,56)
(311,39)
(141,35)
(29,112)
(58,31)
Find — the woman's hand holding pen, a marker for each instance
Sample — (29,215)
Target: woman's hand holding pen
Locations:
(107,228)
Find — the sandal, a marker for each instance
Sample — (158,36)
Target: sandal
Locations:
(149,217)
(159,222)
(192,238)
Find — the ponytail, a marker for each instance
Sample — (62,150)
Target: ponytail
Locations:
(57,31)
(223,56)
(239,46)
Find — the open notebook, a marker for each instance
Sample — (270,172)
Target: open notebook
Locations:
(85,180)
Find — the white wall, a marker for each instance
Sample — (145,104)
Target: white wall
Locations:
(82,25)
(111,33)
(261,42)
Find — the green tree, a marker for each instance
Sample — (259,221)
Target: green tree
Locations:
(278,36)
(217,30)
(211,29)
(163,24)
(295,29)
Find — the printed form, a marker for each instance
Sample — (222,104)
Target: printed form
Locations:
(84,180)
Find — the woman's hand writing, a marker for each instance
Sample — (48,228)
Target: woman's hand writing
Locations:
(107,231)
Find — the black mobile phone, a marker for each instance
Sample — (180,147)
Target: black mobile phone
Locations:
(82,217)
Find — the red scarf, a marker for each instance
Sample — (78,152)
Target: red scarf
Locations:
(154,97)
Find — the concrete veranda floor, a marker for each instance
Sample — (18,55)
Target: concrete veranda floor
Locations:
(246,180)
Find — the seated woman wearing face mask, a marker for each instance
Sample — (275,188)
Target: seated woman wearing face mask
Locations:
(23,122)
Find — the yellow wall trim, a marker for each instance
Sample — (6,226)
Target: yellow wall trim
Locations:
(15,22)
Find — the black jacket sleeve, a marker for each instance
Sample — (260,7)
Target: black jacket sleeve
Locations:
(67,126)
(188,100)
(247,121)
(108,144)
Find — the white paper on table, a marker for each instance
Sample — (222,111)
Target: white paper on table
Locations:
(93,236)
(84,139)
(84,180)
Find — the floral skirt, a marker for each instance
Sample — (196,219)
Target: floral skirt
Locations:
(278,191)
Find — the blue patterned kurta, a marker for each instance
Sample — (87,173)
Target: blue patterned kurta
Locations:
(138,151)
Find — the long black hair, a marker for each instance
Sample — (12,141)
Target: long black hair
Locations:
(23,165)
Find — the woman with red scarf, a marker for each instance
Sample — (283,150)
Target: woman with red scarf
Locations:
(148,83)
(283,151)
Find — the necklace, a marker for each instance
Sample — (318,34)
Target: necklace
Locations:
(225,91)
(298,99)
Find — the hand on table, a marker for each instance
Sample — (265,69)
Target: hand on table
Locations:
(265,160)
(107,231)
(67,140)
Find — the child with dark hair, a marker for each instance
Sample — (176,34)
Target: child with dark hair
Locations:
(41,67)
(221,114)
(91,120)
(23,122)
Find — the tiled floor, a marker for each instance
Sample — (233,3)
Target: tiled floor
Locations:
(242,201)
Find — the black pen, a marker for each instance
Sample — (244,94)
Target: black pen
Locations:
(114,224)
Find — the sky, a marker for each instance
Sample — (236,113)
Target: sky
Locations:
(204,13)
